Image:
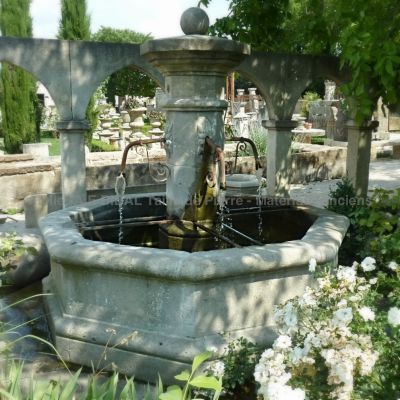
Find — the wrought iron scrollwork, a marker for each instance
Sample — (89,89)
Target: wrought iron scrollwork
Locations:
(242,146)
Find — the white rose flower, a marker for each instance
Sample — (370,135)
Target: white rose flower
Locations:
(368,264)
(366,314)
(282,342)
(347,274)
(372,281)
(343,316)
(342,303)
(394,316)
(355,265)
(393,265)
(312,265)
(269,353)
(218,369)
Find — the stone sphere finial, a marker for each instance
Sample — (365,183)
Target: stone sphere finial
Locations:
(194,21)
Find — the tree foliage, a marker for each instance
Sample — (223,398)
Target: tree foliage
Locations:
(364,34)
(75,25)
(127,81)
(74,22)
(21,110)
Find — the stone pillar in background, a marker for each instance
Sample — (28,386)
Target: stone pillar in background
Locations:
(358,154)
(279,156)
(382,116)
(330,88)
(240,94)
(73,161)
(254,104)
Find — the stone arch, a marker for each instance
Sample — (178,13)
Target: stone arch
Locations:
(72,70)
(281,78)
(43,59)
(103,59)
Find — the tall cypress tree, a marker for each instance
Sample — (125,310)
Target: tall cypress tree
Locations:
(20,107)
(75,25)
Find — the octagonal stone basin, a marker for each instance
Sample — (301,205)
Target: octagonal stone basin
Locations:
(146,310)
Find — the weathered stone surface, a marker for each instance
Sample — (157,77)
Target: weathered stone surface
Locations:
(195,68)
(22,170)
(31,267)
(394,123)
(15,158)
(359,155)
(282,78)
(194,21)
(36,149)
(156,309)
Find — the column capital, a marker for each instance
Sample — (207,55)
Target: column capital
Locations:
(279,125)
(72,125)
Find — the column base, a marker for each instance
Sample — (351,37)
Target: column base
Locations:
(183,235)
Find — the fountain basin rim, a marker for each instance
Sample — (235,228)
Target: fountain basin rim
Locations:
(67,246)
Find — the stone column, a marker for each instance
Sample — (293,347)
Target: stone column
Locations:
(254,106)
(279,156)
(73,163)
(195,67)
(359,154)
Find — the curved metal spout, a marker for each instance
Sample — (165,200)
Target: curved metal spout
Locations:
(140,142)
(220,156)
(253,147)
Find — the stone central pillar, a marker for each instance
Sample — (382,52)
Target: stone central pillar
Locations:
(195,68)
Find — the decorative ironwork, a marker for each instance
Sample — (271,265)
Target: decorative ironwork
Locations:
(242,146)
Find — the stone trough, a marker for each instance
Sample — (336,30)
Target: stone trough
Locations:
(146,310)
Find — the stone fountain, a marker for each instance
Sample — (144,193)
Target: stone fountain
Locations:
(152,303)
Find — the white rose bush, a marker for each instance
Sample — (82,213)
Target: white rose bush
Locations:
(339,340)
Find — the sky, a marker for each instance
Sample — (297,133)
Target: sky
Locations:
(160,18)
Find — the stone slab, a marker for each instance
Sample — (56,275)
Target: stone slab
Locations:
(15,158)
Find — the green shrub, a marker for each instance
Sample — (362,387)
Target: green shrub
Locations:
(240,361)
(99,146)
(308,98)
(259,137)
(11,248)
(374,223)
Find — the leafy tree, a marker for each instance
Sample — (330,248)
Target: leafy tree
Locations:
(364,34)
(20,107)
(127,81)
(75,25)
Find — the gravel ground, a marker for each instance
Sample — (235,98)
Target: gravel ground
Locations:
(384,173)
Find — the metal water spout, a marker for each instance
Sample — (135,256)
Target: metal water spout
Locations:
(218,156)
(140,142)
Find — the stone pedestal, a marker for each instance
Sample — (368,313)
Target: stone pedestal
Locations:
(241,123)
(195,68)
(73,165)
(254,103)
(36,149)
(136,117)
(358,154)
(278,156)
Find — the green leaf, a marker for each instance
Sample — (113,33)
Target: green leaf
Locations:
(159,388)
(173,393)
(183,376)
(199,359)
(205,382)
(70,388)
(389,68)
